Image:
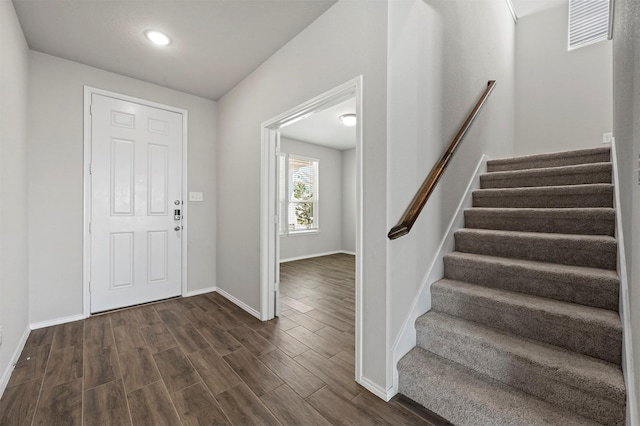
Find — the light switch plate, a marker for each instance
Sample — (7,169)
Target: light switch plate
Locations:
(606,137)
(195,196)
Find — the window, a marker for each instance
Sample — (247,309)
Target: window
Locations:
(588,22)
(298,194)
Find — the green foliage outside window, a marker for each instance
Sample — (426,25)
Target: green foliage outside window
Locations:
(304,211)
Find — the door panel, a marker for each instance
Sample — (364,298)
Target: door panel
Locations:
(136,181)
(121,260)
(158,256)
(158,176)
(122,177)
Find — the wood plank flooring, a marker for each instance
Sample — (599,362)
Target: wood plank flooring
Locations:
(202,360)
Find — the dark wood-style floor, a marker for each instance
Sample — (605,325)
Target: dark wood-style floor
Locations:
(202,360)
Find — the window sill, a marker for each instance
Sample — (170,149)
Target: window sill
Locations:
(301,233)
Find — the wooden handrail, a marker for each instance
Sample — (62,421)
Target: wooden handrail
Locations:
(420,199)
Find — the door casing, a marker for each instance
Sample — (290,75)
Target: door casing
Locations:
(269,237)
(86,241)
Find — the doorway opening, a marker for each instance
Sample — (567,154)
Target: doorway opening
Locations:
(290,216)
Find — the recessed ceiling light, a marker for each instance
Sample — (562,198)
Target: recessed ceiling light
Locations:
(348,120)
(157,37)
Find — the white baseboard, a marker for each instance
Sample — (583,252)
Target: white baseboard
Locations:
(200,291)
(56,321)
(311,256)
(406,339)
(375,389)
(625,312)
(238,302)
(6,375)
(63,320)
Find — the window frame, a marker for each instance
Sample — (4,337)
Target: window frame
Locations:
(593,35)
(285,197)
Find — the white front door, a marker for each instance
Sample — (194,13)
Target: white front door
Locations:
(136,189)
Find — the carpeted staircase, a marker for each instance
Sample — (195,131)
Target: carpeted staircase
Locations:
(524,327)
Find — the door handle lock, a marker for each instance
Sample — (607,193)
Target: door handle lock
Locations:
(176,214)
(177,228)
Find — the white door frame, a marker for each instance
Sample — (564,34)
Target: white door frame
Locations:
(86,238)
(269,255)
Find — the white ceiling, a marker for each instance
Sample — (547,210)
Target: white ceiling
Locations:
(530,7)
(325,128)
(216,43)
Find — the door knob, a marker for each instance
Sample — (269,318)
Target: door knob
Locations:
(177,228)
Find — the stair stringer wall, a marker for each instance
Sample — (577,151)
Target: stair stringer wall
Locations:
(625,313)
(406,339)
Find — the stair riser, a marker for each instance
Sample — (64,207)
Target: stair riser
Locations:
(566,252)
(569,333)
(598,199)
(582,290)
(551,161)
(539,223)
(487,181)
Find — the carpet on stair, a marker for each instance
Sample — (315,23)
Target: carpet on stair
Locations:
(524,326)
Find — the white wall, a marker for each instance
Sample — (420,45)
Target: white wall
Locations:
(626,127)
(349,200)
(563,99)
(14,290)
(347,41)
(56,180)
(441,56)
(329,238)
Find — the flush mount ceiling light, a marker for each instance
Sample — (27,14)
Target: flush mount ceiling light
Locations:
(157,37)
(348,120)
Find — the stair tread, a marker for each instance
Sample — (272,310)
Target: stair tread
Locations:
(549,171)
(570,249)
(465,397)
(558,196)
(555,363)
(549,157)
(602,318)
(602,277)
(587,188)
(595,213)
(557,220)
(538,236)
(584,285)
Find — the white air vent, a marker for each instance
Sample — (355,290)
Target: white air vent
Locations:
(588,22)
